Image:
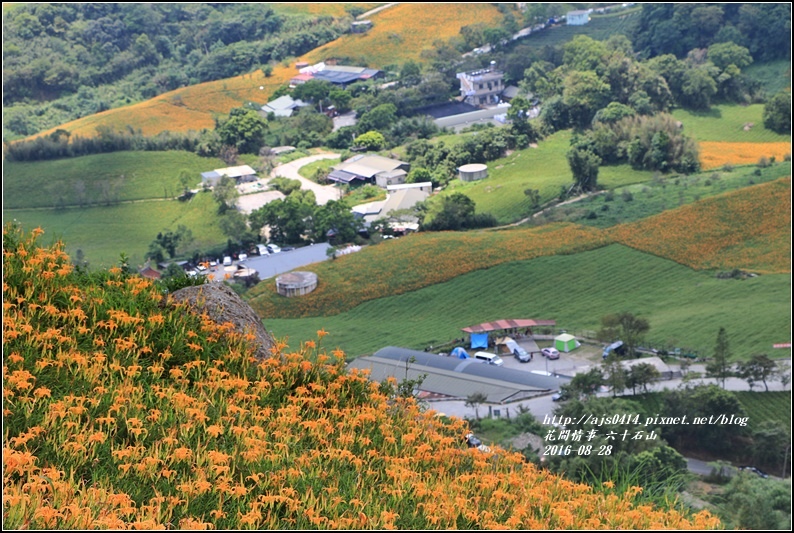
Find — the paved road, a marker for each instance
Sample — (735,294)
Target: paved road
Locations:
(268,266)
(323,193)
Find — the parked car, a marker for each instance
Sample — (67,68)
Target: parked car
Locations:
(287,248)
(273,248)
(490,358)
(754,470)
(522,355)
(550,353)
(227,261)
(262,249)
(559,396)
(243,257)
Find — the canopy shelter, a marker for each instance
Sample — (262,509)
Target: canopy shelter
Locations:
(512,326)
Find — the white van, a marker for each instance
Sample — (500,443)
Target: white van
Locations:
(490,358)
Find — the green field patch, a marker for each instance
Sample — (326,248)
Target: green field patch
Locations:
(101,179)
(774,406)
(726,123)
(600,28)
(659,194)
(544,168)
(685,308)
(308,171)
(774,76)
(102,233)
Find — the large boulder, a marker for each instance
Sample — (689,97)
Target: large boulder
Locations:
(223,305)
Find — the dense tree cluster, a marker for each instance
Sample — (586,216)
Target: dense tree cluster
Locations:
(762,28)
(86,58)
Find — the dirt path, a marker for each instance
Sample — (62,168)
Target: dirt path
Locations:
(373,11)
(323,193)
(527,219)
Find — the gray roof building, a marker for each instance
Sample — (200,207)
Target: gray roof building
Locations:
(456,378)
(283,106)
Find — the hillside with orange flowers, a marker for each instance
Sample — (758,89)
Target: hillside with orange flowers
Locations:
(746,229)
(121,411)
(393,39)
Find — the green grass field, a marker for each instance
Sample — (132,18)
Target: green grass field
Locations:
(685,308)
(543,168)
(102,233)
(725,123)
(773,76)
(599,28)
(772,406)
(657,195)
(307,171)
(94,178)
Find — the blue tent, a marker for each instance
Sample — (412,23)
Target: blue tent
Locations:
(479,340)
(460,353)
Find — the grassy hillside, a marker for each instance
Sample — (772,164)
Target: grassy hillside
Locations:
(774,76)
(748,229)
(723,139)
(685,308)
(772,406)
(635,202)
(417,261)
(91,179)
(396,37)
(120,412)
(102,233)
(543,168)
(599,28)
(195,107)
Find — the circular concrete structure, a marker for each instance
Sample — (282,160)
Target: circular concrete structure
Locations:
(473,172)
(296,283)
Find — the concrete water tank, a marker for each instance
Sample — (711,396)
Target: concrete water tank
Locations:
(473,172)
(296,283)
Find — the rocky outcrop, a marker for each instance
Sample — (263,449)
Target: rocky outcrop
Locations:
(223,305)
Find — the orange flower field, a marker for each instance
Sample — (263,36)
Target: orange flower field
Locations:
(395,36)
(424,259)
(748,229)
(717,154)
(122,412)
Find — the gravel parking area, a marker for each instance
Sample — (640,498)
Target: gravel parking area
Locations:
(251,202)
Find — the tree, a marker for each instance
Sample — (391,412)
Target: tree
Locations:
(584,383)
(225,193)
(474,400)
(777,113)
(641,375)
(410,73)
(758,368)
(584,167)
(719,367)
(725,54)
(245,129)
(372,141)
(624,326)
(616,375)
(584,94)
(316,91)
(379,118)
(519,117)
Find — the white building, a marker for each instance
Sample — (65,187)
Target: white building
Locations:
(577,18)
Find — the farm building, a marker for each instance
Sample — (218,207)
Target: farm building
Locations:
(296,283)
(392,177)
(577,18)
(240,174)
(473,172)
(364,168)
(337,74)
(566,342)
(401,197)
(455,378)
(283,106)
